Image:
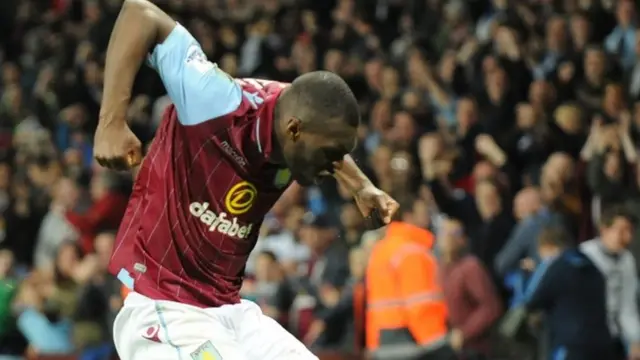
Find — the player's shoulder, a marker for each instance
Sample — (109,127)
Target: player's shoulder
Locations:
(260,85)
(257,92)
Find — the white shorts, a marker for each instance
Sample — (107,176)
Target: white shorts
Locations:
(146,329)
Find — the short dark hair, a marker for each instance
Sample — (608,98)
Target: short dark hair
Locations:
(322,99)
(555,236)
(269,255)
(610,214)
(594,47)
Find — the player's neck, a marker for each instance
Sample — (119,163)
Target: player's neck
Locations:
(276,157)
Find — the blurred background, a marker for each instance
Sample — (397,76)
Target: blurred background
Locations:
(509,116)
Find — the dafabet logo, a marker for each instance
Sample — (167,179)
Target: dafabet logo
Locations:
(240,198)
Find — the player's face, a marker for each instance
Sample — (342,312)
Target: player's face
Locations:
(310,157)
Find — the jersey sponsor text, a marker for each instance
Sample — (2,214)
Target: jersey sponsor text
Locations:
(220,222)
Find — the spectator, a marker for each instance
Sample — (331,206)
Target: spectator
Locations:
(326,271)
(55,229)
(465,105)
(632,202)
(71,273)
(622,40)
(589,93)
(570,290)
(528,142)
(283,243)
(8,290)
(471,297)
(490,235)
(328,265)
(45,333)
(560,191)
(568,136)
(352,223)
(106,211)
(406,316)
(268,277)
(610,255)
(108,298)
(335,327)
(634,80)
(610,166)
(520,251)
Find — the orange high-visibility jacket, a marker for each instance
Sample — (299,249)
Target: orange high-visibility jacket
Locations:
(402,292)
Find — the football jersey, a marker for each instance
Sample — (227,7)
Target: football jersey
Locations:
(205,184)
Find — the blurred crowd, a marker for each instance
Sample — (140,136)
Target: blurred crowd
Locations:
(506,128)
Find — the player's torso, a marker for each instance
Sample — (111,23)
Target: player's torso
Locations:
(223,175)
(200,198)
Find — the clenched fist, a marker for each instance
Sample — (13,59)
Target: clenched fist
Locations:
(116,147)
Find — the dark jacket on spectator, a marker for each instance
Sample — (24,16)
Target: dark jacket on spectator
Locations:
(607,189)
(339,321)
(487,237)
(571,291)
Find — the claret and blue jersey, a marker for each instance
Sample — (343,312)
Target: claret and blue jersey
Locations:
(204,186)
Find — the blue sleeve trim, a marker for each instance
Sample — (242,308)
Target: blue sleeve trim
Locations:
(199,90)
(125,277)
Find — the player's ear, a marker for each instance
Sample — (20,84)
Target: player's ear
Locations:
(294,128)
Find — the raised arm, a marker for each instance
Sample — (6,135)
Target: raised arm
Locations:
(350,176)
(367,196)
(198,89)
(139,27)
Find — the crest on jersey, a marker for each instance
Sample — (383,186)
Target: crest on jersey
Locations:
(206,351)
(197,59)
(282,178)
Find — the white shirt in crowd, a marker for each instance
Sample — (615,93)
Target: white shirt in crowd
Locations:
(620,274)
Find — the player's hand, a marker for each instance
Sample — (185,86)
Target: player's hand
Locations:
(116,147)
(371,198)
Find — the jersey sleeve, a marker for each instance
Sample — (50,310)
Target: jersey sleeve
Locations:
(199,90)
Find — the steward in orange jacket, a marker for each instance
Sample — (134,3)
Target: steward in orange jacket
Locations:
(406,316)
